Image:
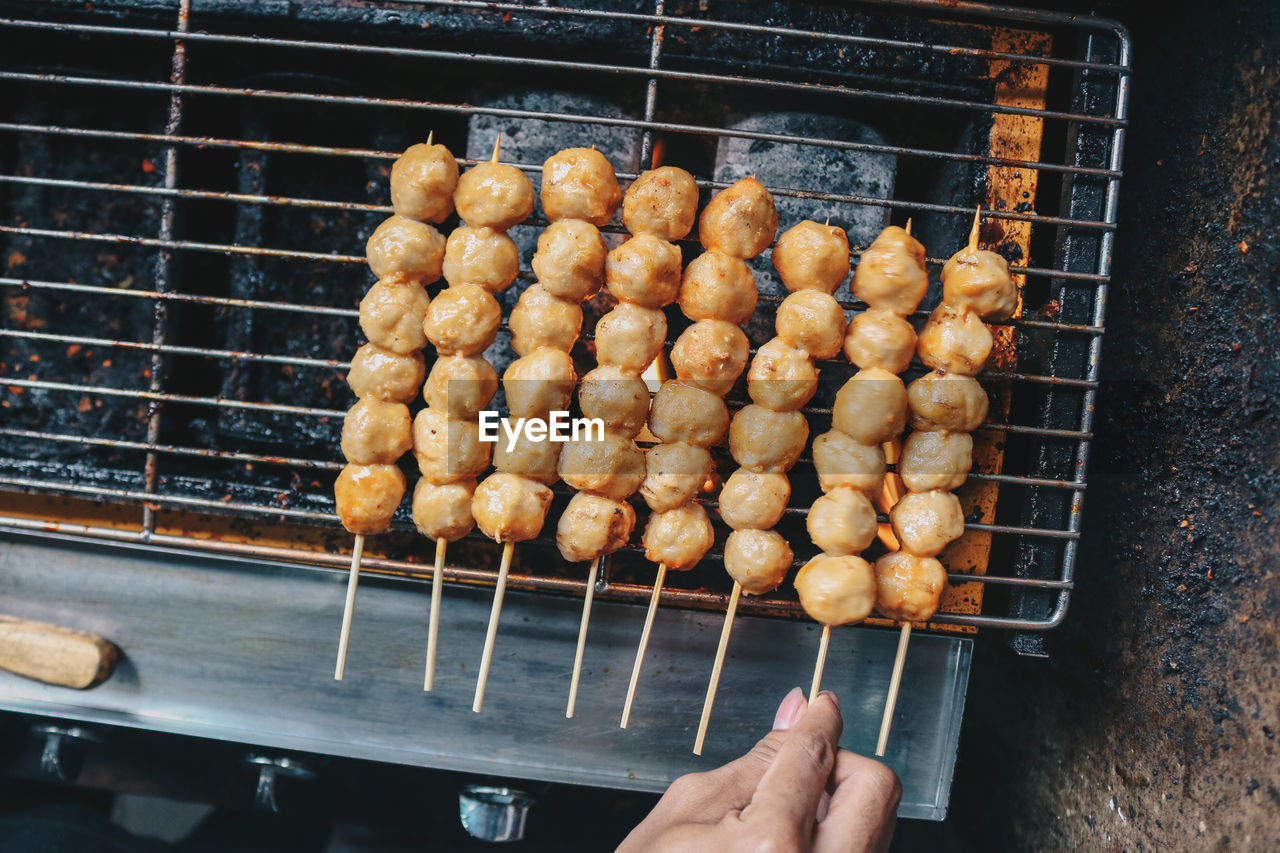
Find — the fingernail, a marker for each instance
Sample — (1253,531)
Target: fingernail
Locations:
(833,697)
(790,710)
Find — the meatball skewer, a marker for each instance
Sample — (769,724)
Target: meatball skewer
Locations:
(405,252)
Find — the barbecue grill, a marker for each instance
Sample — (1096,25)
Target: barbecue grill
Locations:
(185,191)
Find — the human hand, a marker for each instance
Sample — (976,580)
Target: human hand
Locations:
(796,790)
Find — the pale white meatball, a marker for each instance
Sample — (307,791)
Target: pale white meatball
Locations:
(842,522)
(955,341)
(979,281)
(836,590)
(811,321)
(541,320)
(740,220)
(375,432)
(536,460)
(935,460)
(384,375)
(592,526)
(510,508)
(367,497)
(391,315)
(879,338)
(674,473)
(682,412)
(460,385)
(871,407)
(662,202)
(569,261)
(909,587)
(462,320)
(843,462)
(717,286)
(678,538)
(810,256)
(448,451)
(630,336)
(494,195)
(926,522)
(422,182)
(619,399)
(781,378)
(711,355)
(767,441)
(757,559)
(644,270)
(579,183)
(750,499)
(539,383)
(891,273)
(482,256)
(443,511)
(947,401)
(402,247)
(612,466)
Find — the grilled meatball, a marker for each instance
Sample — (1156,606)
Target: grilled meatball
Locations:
(837,590)
(955,341)
(879,338)
(533,459)
(926,522)
(569,261)
(619,399)
(810,256)
(764,440)
(405,248)
(947,401)
(375,432)
(422,182)
(463,320)
(481,255)
(717,286)
(891,274)
(662,202)
(678,538)
(740,221)
(443,511)
(686,413)
(539,383)
(630,336)
(757,559)
(644,270)
(612,466)
(447,450)
(578,183)
(367,496)
(781,378)
(842,521)
(494,195)
(674,473)
(841,461)
(391,315)
(592,526)
(811,321)
(460,385)
(909,587)
(750,499)
(979,281)
(710,354)
(541,320)
(935,460)
(381,374)
(510,508)
(871,407)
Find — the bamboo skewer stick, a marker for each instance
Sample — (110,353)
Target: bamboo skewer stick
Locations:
(353,580)
(821,662)
(508,550)
(894,682)
(715,670)
(582,637)
(644,643)
(433,629)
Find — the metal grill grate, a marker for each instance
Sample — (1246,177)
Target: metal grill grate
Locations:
(184,254)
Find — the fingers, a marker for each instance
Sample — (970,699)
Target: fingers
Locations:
(793,785)
(861,815)
(736,781)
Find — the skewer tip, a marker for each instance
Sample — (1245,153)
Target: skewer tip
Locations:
(431,136)
(908,226)
(973,232)
(497,144)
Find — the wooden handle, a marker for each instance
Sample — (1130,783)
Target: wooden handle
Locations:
(55,655)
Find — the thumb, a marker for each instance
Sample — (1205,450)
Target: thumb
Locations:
(738,779)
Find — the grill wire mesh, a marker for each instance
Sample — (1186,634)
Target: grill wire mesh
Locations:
(185,194)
